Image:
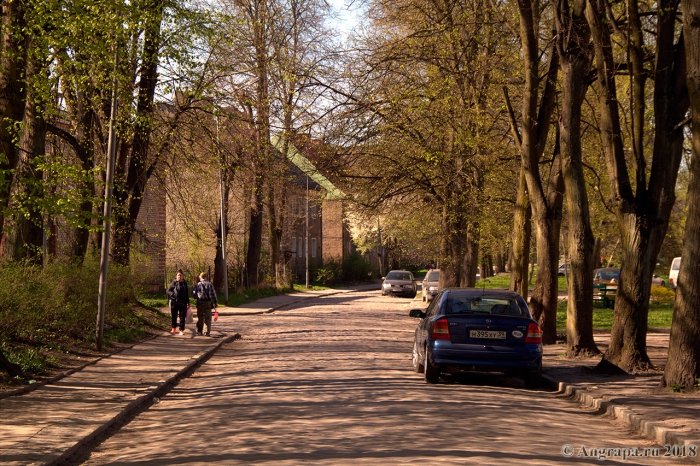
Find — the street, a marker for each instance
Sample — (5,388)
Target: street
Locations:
(330,382)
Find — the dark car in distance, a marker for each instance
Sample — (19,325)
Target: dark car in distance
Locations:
(471,329)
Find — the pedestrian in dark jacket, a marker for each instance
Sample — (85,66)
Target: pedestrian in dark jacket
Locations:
(206,300)
(179,299)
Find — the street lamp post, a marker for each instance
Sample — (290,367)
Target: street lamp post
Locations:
(223,220)
(381,249)
(307,231)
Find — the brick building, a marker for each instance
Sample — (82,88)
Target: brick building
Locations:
(328,233)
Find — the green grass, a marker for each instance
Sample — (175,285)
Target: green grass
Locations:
(312,287)
(660,315)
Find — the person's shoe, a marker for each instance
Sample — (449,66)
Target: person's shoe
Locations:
(172,330)
(181,332)
(199,333)
(207,333)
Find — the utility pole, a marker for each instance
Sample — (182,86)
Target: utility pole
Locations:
(307,231)
(381,249)
(107,223)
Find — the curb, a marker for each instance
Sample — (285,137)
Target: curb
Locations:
(651,430)
(71,455)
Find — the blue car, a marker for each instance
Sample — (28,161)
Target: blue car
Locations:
(470,329)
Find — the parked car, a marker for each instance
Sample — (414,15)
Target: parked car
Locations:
(610,277)
(673,273)
(472,329)
(657,281)
(429,286)
(564,269)
(399,283)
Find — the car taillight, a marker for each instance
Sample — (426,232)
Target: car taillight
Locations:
(670,280)
(534,334)
(440,330)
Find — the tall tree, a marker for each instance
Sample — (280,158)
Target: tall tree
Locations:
(683,364)
(545,194)
(572,42)
(298,44)
(133,167)
(423,99)
(13,58)
(641,203)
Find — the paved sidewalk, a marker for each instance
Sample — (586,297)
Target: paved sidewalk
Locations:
(51,423)
(660,415)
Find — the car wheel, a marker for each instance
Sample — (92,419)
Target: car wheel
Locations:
(432,373)
(417,366)
(533,379)
(413,295)
(422,298)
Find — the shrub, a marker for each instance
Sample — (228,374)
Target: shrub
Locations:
(356,269)
(326,276)
(662,294)
(57,305)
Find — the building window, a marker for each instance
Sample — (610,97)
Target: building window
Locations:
(294,244)
(313,247)
(302,211)
(313,210)
(301,247)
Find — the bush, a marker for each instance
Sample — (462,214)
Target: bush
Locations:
(356,269)
(57,305)
(662,294)
(352,269)
(326,276)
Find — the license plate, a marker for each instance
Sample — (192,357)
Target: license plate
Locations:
(487,334)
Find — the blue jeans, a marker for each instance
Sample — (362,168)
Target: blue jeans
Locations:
(178,309)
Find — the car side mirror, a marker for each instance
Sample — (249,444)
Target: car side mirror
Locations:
(416,313)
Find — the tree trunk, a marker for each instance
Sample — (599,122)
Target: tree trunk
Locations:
(451,247)
(28,231)
(643,214)
(220,264)
(572,42)
(683,363)
(274,231)
(543,302)
(252,264)
(13,58)
(522,235)
(545,201)
(470,258)
(129,195)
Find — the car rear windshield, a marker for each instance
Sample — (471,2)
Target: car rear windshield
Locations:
(484,305)
(434,276)
(398,276)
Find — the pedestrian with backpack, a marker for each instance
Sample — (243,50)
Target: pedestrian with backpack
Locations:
(206,301)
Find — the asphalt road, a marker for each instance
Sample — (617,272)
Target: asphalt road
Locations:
(330,382)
